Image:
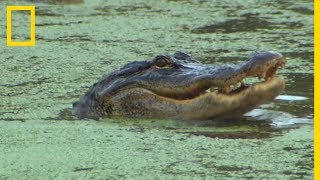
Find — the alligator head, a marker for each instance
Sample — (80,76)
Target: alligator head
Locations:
(178,87)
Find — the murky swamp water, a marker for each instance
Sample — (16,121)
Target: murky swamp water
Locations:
(78,43)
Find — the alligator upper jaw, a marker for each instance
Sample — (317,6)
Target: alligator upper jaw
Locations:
(228,86)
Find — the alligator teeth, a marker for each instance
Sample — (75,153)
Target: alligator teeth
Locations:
(259,76)
(212,89)
(262,76)
(235,85)
(242,84)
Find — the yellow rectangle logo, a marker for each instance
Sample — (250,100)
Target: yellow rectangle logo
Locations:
(32,41)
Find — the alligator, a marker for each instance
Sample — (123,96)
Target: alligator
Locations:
(179,87)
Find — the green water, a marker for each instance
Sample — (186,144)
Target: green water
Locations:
(77,44)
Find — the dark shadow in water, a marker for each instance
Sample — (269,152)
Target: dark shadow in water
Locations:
(257,124)
(237,135)
(235,128)
(295,6)
(121,10)
(303,10)
(247,23)
(13,119)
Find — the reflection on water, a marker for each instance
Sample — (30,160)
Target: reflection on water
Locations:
(256,124)
(291,98)
(277,119)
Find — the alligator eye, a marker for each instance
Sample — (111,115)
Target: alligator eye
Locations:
(162,61)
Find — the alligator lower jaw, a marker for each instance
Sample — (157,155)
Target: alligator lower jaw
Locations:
(212,105)
(144,103)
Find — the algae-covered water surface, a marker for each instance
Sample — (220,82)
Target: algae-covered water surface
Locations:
(76,43)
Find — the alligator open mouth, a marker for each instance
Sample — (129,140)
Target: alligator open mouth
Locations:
(178,87)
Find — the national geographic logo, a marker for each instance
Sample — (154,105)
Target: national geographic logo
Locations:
(32,40)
